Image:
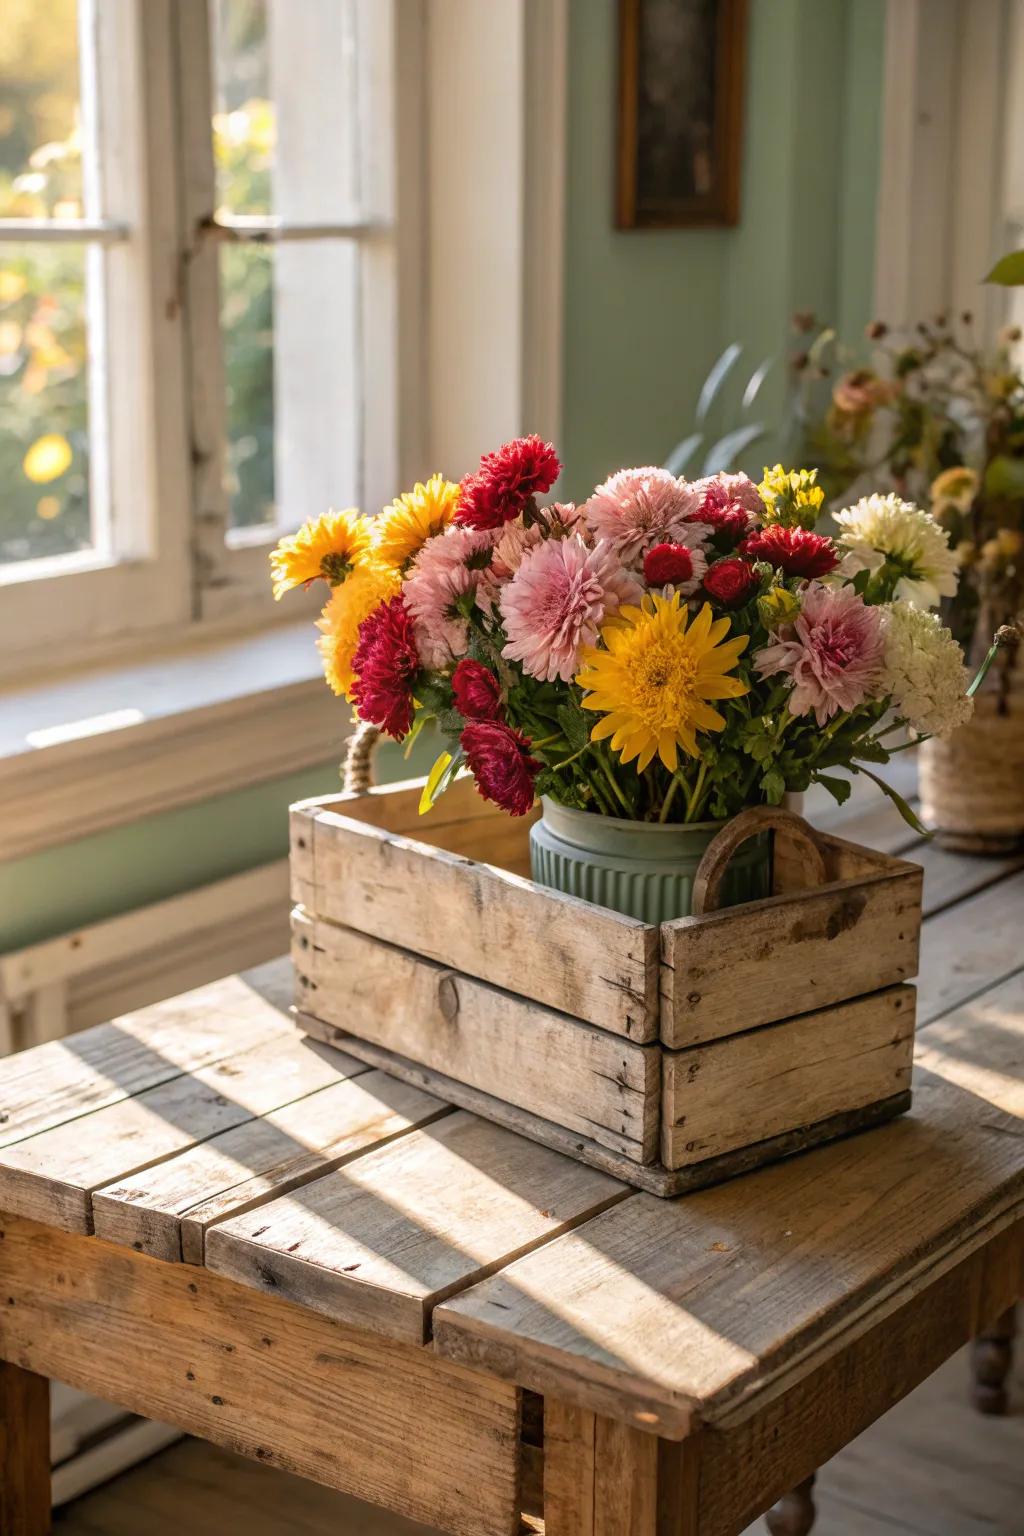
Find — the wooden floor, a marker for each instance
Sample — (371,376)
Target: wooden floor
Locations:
(931,1467)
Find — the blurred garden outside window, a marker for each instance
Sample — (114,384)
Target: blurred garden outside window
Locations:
(198,302)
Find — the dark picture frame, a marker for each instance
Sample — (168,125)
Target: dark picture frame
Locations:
(680,113)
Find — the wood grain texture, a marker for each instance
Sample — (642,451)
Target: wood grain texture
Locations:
(605,1478)
(379,1242)
(65,1079)
(249,1372)
(680,1310)
(764,961)
(167,1209)
(969,947)
(749,1087)
(586,1079)
(51,1177)
(565,953)
(24,1452)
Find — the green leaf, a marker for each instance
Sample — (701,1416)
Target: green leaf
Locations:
(774,786)
(417,725)
(1008,270)
(450,723)
(909,816)
(575,725)
(839,789)
(432,788)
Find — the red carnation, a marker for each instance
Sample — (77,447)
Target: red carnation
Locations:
(385,663)
(477,691)
(667,565)
(795,551)
(505,482)
(500,762)
(731,582)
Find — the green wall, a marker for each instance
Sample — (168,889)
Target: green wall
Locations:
(648,311)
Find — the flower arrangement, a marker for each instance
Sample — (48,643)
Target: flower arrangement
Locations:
(668,651)
(939,418)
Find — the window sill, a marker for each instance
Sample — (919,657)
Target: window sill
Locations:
(122,742)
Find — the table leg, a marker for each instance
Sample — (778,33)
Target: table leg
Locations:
(991,1359)
(604,1478)
(794,1514)
(24,1452)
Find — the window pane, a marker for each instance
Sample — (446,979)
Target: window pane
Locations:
(244,126)
(44,411)
(40,137)
(247,317)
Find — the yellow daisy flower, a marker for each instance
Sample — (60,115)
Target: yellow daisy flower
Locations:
(330,546)
(404,527)
(653,682)
(368,585)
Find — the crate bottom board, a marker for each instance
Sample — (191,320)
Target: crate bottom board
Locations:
(652,1178)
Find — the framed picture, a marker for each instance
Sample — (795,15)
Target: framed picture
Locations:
(681,66)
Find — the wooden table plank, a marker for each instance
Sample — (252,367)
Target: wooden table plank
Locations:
(379,1242)
(674,1311)
(64,1079)
(51,1177)
(970,946)
(380,1420)
(166,1210)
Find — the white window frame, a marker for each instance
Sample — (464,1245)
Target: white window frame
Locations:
(442,378)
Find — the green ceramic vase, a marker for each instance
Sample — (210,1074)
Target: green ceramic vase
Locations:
(638,867)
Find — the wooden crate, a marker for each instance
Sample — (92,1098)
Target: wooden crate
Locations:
(671,1057)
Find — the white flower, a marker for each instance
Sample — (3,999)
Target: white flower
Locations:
(880,530)
(923,670)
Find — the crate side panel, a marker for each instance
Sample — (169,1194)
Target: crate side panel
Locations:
(593,964)
(731,1093)
(751,965)
(585,1079)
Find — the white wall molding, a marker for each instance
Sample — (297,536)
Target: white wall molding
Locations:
(92,974)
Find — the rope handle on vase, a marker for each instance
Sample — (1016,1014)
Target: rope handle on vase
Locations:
(362,747)
(707,883)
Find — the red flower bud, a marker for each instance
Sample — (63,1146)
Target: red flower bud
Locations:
(667,564)
(731,582)
(477,691)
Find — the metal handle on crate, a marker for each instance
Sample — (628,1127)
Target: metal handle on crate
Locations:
(359,758)
(707,883)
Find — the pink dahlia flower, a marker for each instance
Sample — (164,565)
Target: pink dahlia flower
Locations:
(448,566)
(557,601)
(833,652)
(638,508)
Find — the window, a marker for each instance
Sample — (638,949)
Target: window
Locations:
(198,301)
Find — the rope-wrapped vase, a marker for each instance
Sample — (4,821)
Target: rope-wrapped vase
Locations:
(972,786)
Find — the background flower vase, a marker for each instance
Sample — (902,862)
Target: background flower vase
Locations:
(972,785)
(641,869)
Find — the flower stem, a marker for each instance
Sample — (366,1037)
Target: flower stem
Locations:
(693,800)
(669,797)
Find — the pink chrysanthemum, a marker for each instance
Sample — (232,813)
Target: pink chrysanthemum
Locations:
(557,601)
(553,522)
(833,652)
(448,566)
(638,508)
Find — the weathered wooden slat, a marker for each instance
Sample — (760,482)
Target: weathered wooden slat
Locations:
(582,1078)
(557,950)
(749,1087)
(65,1079)
(677,1310)
(953,877)
(969,946)
(380,1241)
(50,1177)
(24,1452)
(166,1210)
(750,965)
(278,1383)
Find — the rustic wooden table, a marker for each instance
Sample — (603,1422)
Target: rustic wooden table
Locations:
(221,1225)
